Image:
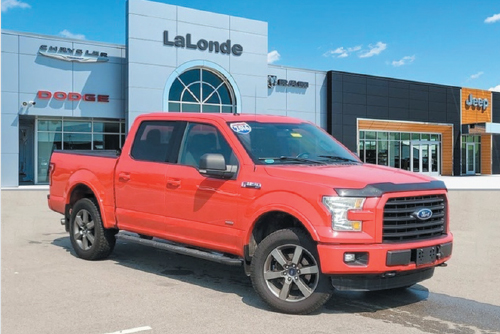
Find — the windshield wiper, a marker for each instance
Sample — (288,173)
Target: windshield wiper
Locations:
(295,159)
(337,158)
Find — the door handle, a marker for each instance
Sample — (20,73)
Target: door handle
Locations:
(173,183)
(124,177)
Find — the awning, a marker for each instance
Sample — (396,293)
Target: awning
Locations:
(481,129)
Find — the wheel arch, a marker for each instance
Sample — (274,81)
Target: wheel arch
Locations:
(85,184)
(279,216)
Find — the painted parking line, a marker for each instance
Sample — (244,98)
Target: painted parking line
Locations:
(132,330)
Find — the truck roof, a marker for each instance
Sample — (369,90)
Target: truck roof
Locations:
(226,117)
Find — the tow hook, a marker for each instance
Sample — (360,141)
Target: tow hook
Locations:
(389,274)
(444,264)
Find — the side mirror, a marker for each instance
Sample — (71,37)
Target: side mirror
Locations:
(214,165)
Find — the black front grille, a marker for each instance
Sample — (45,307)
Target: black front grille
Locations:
(401,224)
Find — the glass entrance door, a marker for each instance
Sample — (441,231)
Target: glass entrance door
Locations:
(425,157)
(470,158)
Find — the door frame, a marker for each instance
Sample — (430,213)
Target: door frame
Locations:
(421,143)
(473,171)
(29,127)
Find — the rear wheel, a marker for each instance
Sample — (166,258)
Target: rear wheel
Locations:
(90,240)
(285,273)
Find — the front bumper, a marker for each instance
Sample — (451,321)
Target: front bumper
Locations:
(385,257)
(381,282)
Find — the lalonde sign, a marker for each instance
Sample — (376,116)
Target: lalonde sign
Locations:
(203,44)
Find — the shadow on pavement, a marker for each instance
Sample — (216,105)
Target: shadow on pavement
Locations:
(415,307)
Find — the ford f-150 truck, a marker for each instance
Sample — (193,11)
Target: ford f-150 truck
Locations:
(276,195)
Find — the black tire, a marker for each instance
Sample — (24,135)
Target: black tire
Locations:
(90,240)
(285,272)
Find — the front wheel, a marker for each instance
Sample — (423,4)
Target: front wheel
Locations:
(90,240)
(286,274)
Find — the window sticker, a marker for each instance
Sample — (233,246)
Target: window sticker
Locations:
(269,161)
(242,128)
(296,135)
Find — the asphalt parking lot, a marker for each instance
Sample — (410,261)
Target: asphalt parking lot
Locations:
(47,289)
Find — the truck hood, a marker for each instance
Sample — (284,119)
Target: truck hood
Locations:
(346,176)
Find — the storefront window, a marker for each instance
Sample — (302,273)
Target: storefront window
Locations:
(47,143)
(71,134)
(420,154)
(201,90)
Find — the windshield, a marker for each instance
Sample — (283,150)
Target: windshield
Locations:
(287,143)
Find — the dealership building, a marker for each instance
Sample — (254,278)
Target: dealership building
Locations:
(60,93)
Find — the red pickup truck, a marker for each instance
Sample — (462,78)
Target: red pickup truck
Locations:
(276,195)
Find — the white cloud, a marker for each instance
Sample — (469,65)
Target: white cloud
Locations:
(9,4)
(342,52)
(495,89)
(273,56)
(68,34)
(475,76)
(403,61)
(491,19)
(374,50)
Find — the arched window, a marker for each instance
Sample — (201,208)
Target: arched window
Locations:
(201,90)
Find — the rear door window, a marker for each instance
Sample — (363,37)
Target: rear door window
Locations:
(156,141)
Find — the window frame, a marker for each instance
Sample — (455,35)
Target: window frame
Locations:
(185,135)
(173,144)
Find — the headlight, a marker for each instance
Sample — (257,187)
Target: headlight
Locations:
(338,207)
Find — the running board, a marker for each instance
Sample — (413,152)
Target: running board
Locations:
(180,249)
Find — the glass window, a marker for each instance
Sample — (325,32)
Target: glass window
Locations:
(174,107)
(77,126)
(370,134)
(426,136)
(211,108)
(382,135)
(195,88)
(361,135)
(415,136)
(394,135)
(77,141)
(188,107)
(49,125)
(362,150)
(152,141)
(435,138)
(176,90)
(405,136)
(394,154)
(106,142)
(371,152)
(201,139)
(108,127)
(47,143)
(383,152)
(75,134)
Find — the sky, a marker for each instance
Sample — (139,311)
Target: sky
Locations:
(451,42)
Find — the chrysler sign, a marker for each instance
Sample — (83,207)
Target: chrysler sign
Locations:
(202,44)
(73,55)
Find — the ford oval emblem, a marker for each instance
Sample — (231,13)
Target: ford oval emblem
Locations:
(423,214)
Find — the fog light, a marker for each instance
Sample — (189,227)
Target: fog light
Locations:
(356,259)
(349,257)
